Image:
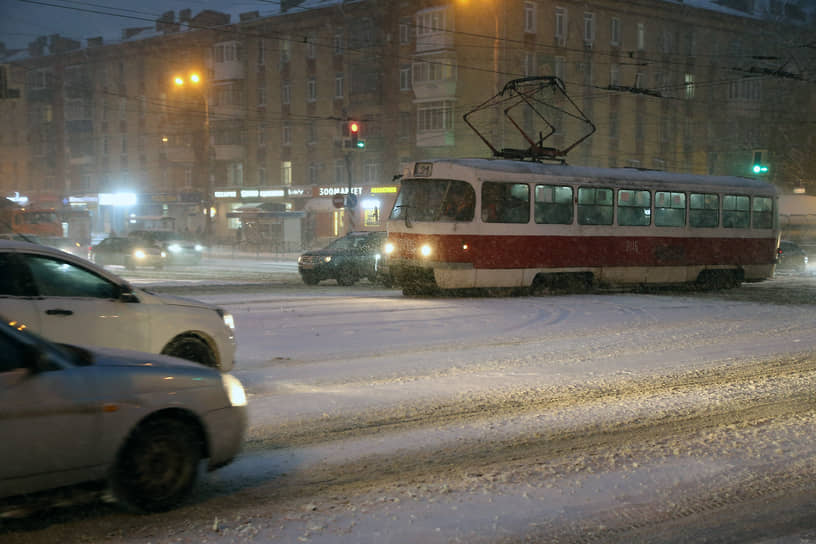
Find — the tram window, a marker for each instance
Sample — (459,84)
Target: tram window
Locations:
(670,209)
(704,210)
(762,213)
(634,208)
(553,204)
(594,206)
(505,202)
(735,213)
(459,202)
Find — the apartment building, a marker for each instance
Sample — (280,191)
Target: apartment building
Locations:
(262,140)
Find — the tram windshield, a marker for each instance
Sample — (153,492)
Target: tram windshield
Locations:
(434,200)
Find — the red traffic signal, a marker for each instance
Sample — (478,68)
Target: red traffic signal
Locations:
(354,127)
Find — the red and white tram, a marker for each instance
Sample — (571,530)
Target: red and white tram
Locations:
(497,223)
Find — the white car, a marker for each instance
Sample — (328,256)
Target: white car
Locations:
(70,300)
(137,423)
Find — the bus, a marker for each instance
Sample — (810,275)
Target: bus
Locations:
(462,224)
(36,221)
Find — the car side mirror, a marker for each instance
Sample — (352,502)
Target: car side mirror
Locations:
(126,295)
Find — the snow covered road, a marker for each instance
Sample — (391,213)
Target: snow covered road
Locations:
(581,418)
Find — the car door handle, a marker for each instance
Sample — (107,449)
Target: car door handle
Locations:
(59,311)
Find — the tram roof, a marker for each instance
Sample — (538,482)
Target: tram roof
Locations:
(601,174)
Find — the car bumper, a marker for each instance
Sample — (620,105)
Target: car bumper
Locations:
(226,429)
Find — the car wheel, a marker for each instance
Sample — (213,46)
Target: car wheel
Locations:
(309,279)
(158,465)
(191,348)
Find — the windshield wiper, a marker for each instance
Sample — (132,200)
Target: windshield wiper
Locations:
(407,219)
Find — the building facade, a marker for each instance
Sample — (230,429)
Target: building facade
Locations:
(261,140)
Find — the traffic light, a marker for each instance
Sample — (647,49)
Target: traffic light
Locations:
(759,166)
(354,133)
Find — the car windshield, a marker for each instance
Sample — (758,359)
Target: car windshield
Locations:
(491,271)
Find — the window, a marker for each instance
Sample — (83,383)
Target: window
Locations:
(589,28)
(433,71)
(312,132)
(641,36)
(311,49)
(634,208)
(614,71)
(286,135)
(505,202)
(56,278)
(561,26)
(704,210)
(529,17)
(261,176)
(595,206)
(372,172)
(311,90)
(286,173)
(405,78)
(560,67)
(529,64)
(261,91)
(553,204)
(430,22)
(338,43)
(261,136)
(339,80)
(285,50)
(286,93)
(123,141)
(736,212)
(689,85)
(261,50)
(762,213)
(404,33)
(436,115)
(614,32)
(670,209)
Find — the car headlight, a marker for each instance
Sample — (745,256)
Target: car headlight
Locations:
(234,390)
(425,250)
(389,248)
(174,248)
(327,259)
(229,321)
(139,253)
(199,247)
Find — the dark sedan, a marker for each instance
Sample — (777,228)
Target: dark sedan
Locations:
(128,252)
(347,259)
(791,258)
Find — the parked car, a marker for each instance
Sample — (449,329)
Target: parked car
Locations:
(68,299)
(65,244)
(180,248)
(790,257)
(347,259)
(128,252)
(138,422)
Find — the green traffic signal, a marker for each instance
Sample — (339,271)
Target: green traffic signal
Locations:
(760,169)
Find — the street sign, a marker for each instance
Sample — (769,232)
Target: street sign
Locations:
(339,200)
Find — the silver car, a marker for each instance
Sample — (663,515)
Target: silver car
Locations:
(139,422)
(68,299)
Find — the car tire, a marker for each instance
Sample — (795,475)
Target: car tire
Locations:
(158,465)
(309,279)
(191,348)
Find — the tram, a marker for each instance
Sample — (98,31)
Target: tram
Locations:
(503,223)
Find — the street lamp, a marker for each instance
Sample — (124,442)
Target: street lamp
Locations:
(203,150)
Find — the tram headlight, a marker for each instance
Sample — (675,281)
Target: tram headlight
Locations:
(389,248)
(425,250)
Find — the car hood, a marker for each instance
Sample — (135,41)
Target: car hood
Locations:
(174,300)
(108,357)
